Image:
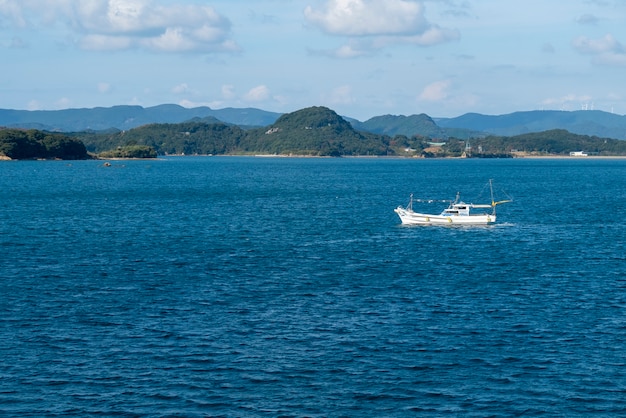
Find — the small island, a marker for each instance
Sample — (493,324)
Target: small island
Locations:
(32,144)
(21,144)
(129,152)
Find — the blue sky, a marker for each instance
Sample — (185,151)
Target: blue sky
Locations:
(361,58)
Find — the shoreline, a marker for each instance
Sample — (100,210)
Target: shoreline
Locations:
(571,157)
(391,157)
(406,157)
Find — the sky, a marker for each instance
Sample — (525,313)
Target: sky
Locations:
(361,58)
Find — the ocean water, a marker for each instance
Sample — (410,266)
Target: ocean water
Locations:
(251,287)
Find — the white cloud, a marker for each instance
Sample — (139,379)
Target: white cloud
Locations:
(123,24)
(181,89)
(568,102)
(605,51)
(12,10)
(104,87)
(63,103)
(135,101)
(353,49)
(348,51)
(228,91)
(33,105)
(613,59)
(258,94)
(369,17)
(341,95)
(435,92)
(98,42)
(597,46)
(383,21)
(189,104)
(172,39)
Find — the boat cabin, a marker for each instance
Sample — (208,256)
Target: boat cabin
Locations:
(463,209)
(457,209)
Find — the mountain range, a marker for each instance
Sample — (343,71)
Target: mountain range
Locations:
(583,122)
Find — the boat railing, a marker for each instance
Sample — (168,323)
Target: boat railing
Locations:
(412,200)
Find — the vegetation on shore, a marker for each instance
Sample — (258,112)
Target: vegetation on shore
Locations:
(314,131)
(22,144)
(130,151)
(319,131)
(556,142)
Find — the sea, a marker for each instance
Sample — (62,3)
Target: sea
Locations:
(287,287)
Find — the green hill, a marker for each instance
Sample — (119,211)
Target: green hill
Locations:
(319,131)
(19,144)
(312,131)
(556,142)
(187,138)
(584,122)
(315,131)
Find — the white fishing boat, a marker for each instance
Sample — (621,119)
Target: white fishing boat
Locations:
(457,213)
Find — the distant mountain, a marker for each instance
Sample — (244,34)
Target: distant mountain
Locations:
(315,131)
(420,125)
(127,117)
(401,125)
(583,122)
(471,125)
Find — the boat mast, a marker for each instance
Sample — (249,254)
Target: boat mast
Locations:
(493,202)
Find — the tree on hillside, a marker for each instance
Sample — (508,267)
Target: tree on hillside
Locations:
(29,144)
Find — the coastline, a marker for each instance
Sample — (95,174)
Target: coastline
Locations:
(570,157)
(400,157)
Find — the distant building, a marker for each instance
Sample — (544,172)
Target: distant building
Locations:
(578,154)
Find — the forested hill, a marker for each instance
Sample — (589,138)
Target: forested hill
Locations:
(552,142)
(315,131)
(311,131)
(583,122)
(31,144)
(187,138)
(319,131)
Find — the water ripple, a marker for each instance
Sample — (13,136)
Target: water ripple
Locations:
(285,287)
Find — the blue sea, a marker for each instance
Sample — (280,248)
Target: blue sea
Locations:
(286,287)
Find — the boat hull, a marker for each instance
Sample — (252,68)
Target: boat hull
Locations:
(408,217)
